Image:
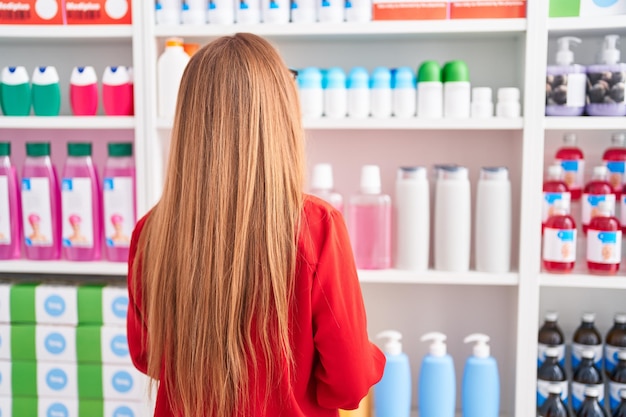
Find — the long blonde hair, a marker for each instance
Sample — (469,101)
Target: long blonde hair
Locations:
(219,248)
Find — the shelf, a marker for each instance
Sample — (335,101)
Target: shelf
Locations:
(78,32)
(581,280)
(394,276)
(600,25)
(67,122)
(63,267)
(585,123)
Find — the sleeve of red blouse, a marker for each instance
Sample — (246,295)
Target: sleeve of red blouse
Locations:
(349,364)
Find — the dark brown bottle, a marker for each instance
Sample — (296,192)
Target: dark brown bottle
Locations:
(587,337)
(554,406)
(591,407)
(615,342)
(551,336)
(620,411)
(617,382)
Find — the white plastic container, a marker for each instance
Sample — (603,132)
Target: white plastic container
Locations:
(412,219)
(304,11)
(358,93)
(335,94)
(311,93)
(331,11)
(194,12)
(168,12)
(482,104)
(275,11)
(429,91)
(509,103)
(247,12)
(452,219)
(493,221)
(358,10)
(170,68)
(456,90)
(322,185)
(221,12)
(380,93)
(404,93)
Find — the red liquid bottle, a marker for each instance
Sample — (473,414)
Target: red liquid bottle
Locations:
(571,158)
(559,241)
(554,189)
(622,209)
(615,160)
(604,242)
(596,191)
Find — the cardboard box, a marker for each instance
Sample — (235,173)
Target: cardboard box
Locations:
(487,9)
(31,12)
(49,407)
(98,12)
(123,383)
(410,10)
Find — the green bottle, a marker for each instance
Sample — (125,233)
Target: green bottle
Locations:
(46,92)
(15,93)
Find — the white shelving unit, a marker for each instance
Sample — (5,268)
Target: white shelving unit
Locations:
(64,268)
(585,123)
(77,32)
(394,276)
(68,122)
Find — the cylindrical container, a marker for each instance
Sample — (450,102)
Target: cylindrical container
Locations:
(595,192)
(429,91)
(335,94)
(412,219)
(604,242)
(311,93)
(615,160)
(392,394)
(586,337)
(322,185)
(170,68)
(331,11)
(194,12)
(550,336)
(304,11)
(587,375)
(615,342)
(493,221)
(370,222)
(572,160)
(358,93)
(275,11)
(452,220)
(15,94)
(617,384)
(482,105)
(84,91)
(554,405)
(620,410)
(81,205)
(10,207)
(358,10)
(119,201)
(222,12)
(565,82)
(46,92)
(591,407)
(380,93)
(248,12)
(549,374)
(509,103)
(167,12)
(41,208)
(559,240)
(403,85)
(456,90)
(117,92)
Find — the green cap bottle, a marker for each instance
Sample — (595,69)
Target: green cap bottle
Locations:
(38,149)
(46,92)
(429,71)
(455,71)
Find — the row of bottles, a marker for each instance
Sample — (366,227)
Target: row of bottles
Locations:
(18,94)
(43,216)
(554,406)
(369,218)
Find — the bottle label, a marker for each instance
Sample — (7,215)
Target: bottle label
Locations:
(590,205)
(578,394)
(78,221)
(541,353)
(577,354)
(5,220)
(610,357)
(542,390)
(604,247)
(574,173)
(606,87)
(614,394)
(119,213)
(559,245)
(37,212)
(548,203)
(623,210)
(566,90)
(617,169)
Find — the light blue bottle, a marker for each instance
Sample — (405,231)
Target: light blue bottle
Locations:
(437,382)
(480,395)
(392,395)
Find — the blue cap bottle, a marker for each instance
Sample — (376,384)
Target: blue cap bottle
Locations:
(380,85)
(358,93)
(311,93)
(335,94)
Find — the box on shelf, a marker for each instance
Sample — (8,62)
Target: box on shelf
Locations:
(98,12)
(47,407)
(31,12)
(576,8)
(409,10)
(487,9)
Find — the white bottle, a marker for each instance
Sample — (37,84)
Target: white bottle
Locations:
(380,93)
(456,90)
(482,106)
(358,10)
(404,93)
(168,12)
(247,12)
(358,93)
(429,91)
(311,93)
(303,11)
(331,11)
(412,219)
(322,185)
(335,94)
(221,12)
(194,12)
(170,68)
(452,219)
(508,103)
(275,11)
(493,221)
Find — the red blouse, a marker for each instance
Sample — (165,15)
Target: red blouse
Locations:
(335,363)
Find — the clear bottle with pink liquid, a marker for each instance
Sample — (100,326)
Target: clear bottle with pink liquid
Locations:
(41,204)
(10,213)
(119,201)
(322,186)
(370,222)
(81,205)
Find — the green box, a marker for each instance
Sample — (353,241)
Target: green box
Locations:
(564,8)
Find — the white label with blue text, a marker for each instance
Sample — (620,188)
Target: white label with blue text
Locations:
(610,357)
(119,213)
(616,173)
(5,220)
(574,170)
(548,203)
(541,353)
(615,388)
(37,212)
(604,247)
(577,354)
(590,205)
(543,390)
(559,245)
(77,203)
(578,394)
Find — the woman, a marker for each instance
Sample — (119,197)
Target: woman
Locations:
(244,298)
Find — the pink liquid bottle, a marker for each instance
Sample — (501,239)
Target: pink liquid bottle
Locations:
(554,189)
(559,241)
(41,204)
(81,206)
(615,160)
(117,92)
(119,201)
(604,242)
(84,91)
(322,186)
(596,191)
(10,210)
(571,158)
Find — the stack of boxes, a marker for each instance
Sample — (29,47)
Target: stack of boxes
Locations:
(64,353)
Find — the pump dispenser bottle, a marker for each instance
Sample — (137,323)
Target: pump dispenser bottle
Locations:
(437,383)
(566,82)
(587,337)
(46,92)
(549,374)
(551,336)
(322,185)
(605,95)
(572,160)
(615,342)
(412,219)
(480,395)
(392,395)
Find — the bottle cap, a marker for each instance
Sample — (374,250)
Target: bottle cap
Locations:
(620,318)
(14,75)
(481,348)
(621,355)
(455,71)
(45,76)
(554,389)
(429,71)
(370,179)
(551,316)
(618,139)
(38,149)
(591,392)
(452,172)
(173,42)
(322,178)
(381,78)
(481,95)
(569,139)
(334,78)
(438,347)
(555,172)
(508,94)
(119,150)
(115,76)
(610,52)
(494,173)
(392,345)
(600,172)
(310,77)
(191,48)
(587,354)
(5,148)
(358,78)
(78,149)
(551,353)
(412,173)
(564,55)
(589,317)
(83,76)
(403,77)
(603,209)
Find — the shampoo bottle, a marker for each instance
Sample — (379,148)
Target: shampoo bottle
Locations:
(615,342)
(10,213)
(549,374)
(392,395)
(15,91)
(412,219)
(170,68)
(596,191)
(84,91)
(117,92)
(404,97)
(311,93)
(587,337)
(221,12)
(456,90)
(437,383)
(551,336)
(322,186)
(381,97)
(275,11)
(554,406)
(559,240)
(335,94)
(572,160)
(617,383)
(46,92)
(429,91)
(554,189)
(480,395)
(615,160)
(566,82)
(358,93)
(605,95)
(168,12)
(587,375)
(604,242)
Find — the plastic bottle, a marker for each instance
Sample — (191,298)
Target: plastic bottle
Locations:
(591,407)
(117,92)
(275,11)
(304,11)
(364,409)
(404,99)
(46,92)
(392,395)
(587,337)
(551,373)
(10,210)
(330,11)
(452,219)
(311,93)
(551,336)
(509,106)
(412,219)
(620,411)
(335,94)
(493,221)
(559,241)
(565,82)
(615,160)
(358,10)
(554,406)
(587,375)
(456,90)
(358,93)
(572,160)
(15,91)
(221,12)
(437,382)
(322,185)
(604,242)
(596,191)
(605,94)
(429,91)
(84,91)
(380,90)
(480,392)
(131,81)
(41,208)
(171,65)
(119,201)
(194,12)
(168,12)
(617,383)
(81,205)
(370,222)
(482,106)
(554,189)
(248,12)
(615,342)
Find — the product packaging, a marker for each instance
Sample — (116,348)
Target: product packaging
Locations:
(98,12)
(487,9)
(410,10)
(32,12)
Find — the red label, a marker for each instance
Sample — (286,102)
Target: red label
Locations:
(407,10)
(31,12)
(98,12)
(486,9)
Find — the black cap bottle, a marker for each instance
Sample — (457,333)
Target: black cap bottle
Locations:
(551,335)
(587,337)
(551,373)
(586,376)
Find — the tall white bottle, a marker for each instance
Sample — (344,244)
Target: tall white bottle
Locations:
(247,12)
(168,12)
(493,221)
(358,10)
(303,11)
(452,219)
(221,12)
(404,93)
(311,93)
(170,68)
(412,219)
(322,185)
(331,11)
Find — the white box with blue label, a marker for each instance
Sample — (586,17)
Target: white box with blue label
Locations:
(56,407)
